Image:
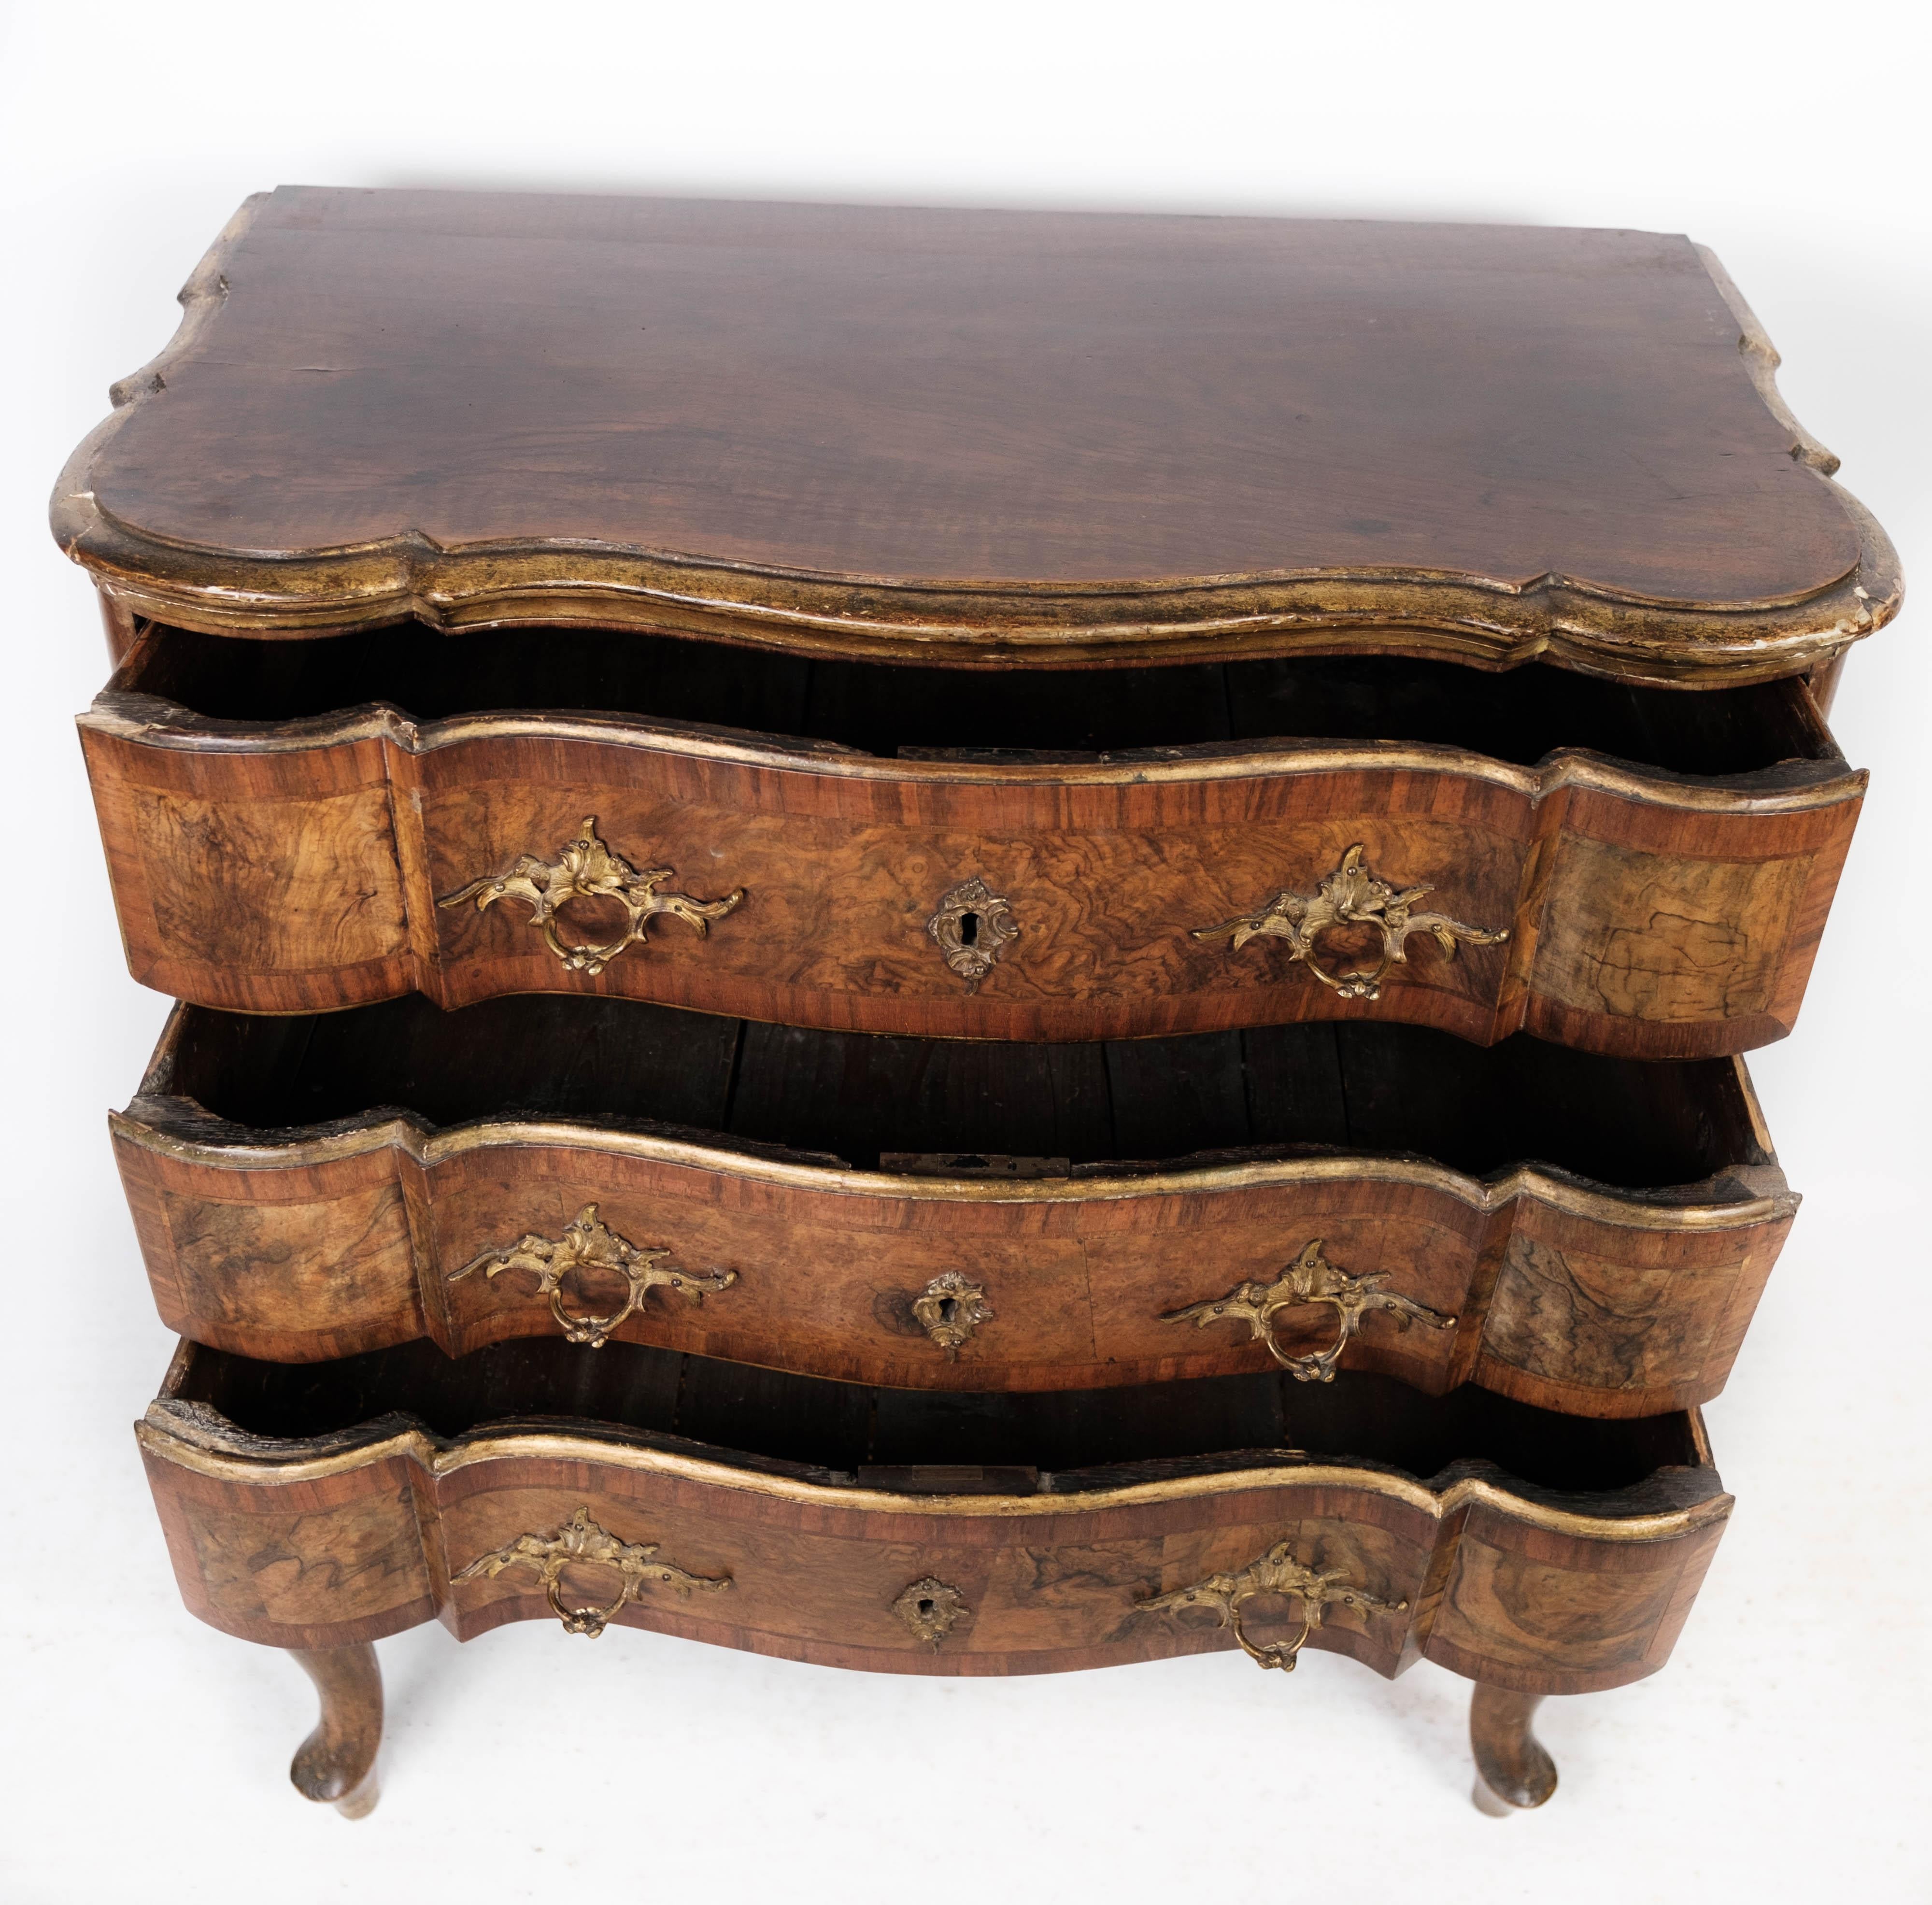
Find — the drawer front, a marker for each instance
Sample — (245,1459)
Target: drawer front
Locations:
(1590,1302)
(357,1544)
(1610,909)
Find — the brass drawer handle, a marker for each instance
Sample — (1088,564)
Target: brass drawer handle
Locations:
(587,869)
(587,1242)
(1277,1572)
(1350,896)
(580,1541)
(1310,1278)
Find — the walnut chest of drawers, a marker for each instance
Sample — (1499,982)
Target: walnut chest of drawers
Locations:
(959,943)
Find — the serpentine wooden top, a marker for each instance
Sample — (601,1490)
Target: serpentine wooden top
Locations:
(990,438)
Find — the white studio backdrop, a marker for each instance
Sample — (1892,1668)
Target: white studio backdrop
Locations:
(1782,1754)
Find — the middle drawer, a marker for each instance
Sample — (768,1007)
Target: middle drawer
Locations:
(1583,1234)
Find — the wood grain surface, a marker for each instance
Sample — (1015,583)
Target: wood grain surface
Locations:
(994,437)
(345,1235)
(299,865)
(328,1539)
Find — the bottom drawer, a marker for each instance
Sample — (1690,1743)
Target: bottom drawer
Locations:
(322,1504)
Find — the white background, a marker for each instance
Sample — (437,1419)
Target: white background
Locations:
(1782,1755)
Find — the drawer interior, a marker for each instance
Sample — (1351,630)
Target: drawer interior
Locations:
(860,1098)
(887,710)
(847,1431)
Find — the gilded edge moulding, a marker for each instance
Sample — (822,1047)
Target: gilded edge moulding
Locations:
(1481,620)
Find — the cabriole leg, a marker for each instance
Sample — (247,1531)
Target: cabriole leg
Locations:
(1513,1771)
(336,1764)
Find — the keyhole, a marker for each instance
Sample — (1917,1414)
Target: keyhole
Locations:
(969,928)
(949,1308)
(925,1607)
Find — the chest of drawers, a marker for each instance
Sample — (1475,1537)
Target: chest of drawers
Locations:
(955,942)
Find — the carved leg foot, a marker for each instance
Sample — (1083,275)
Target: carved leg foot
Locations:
(336,1764)
(1513,1771)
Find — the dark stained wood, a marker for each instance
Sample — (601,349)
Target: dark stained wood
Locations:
(1572,1585)
(283,1214)
(985,437)
(1663,863)
(336,1764)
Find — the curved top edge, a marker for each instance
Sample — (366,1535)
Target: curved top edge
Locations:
(1788,787)
(205,1441)
(1456,618)
(1488,622)
(1762,361)
(181,1128)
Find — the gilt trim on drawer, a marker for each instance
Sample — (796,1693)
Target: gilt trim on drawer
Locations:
(1109,865)
(200,1440)
(1532,1266)
(1499,1585)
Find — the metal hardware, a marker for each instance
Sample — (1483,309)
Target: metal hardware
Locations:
(1277,1572)
(972,927)
(1310,1278)
(580,1541)
(950,1309)
(931,1609)
(1350,896)
(588,1243)
(587,869)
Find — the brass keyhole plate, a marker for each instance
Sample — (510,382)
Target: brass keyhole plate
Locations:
(949,1308)
(931,1608)
(973,926)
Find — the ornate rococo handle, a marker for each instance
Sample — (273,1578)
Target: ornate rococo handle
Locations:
(1310,1278)
(587,869)
(589,1243)
(1350,896)
(1277,1572)
(581,1541)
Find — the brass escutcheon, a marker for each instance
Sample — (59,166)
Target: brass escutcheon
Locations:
(1310,1278)
(587,869)
(973,926)
(931,1608)
(1350,896)
(1277,1572)
(588,1243)
(950,1308)
(581,1541)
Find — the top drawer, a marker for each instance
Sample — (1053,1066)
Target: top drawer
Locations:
(297,826)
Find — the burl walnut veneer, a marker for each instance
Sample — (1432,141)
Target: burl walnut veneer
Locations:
(1583,1234)
(320,1509)
(959,942)
(306,826)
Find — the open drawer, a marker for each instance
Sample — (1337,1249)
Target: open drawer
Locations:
(323,1506)
(298,825)
(1583,1234)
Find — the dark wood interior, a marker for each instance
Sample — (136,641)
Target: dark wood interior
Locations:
(1359,1087)
(850,1428)
(890,711)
